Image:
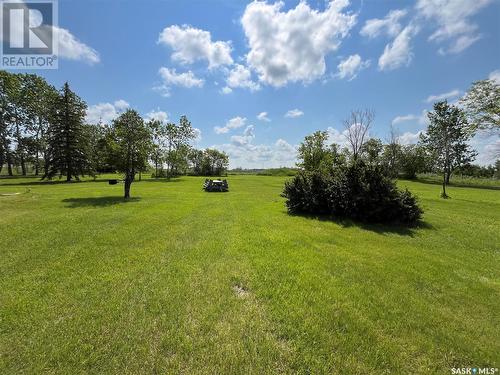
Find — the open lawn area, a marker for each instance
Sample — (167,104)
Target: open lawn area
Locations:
(180,280)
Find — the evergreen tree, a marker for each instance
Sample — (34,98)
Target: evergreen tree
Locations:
(67,142)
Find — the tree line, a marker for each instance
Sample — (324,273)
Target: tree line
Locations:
(443,148)
(358,181)
(45,128)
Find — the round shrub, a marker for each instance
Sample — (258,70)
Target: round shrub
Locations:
(356,191)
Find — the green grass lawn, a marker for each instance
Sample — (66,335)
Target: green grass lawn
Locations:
(178,280)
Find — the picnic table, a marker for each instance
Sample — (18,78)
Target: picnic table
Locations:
(215,185)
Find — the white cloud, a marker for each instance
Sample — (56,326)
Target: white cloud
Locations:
(105,112)
(226,90)
(460,44)
(240,76)
(488,147)
(244,153)
(284,146)
(263,117)
(409,138)
(121,105)
(171,78)
(246,138)
(234,123)
(290,46)
(351,66)
(197,135)
(453,20)
(72,49)
(338,137)
(389,25)
(446,95)
(293,113)
(421,119)
(398,53)
(400,119)
(495,76)
(157,115)
(190,44)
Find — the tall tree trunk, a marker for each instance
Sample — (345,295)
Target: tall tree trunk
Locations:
(69,166)
(38,137)
(129,178)
(443,194)
(9,163)
(448,175)
(20,148)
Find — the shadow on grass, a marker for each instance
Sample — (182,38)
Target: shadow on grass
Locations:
(161,179)
(98,201)
(37,182)
(454,184)
(395,228)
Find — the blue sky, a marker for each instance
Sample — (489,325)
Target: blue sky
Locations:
(305,64)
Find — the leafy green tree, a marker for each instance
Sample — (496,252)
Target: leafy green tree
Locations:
(314,153)
(482,105)
(67,142)
(446,140)
(214,162)
(196,161)
(412,160)
(158,132)
(6,108)
(132,145)
(17,116)
(40,97)
(372,151)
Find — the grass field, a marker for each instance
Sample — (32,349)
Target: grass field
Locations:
(178,280)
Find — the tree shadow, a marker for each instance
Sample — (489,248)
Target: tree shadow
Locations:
(383,229)
(161,179)
(454,184)
(46,182)
(98,201)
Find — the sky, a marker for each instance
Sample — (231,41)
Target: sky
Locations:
(256,77)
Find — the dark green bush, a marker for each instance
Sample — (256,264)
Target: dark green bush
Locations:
(357,191)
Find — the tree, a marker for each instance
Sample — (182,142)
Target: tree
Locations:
(372,150)
(196,161)
(25,105)
(482,105)
(412,160)
(391,153)
(214,162)
(357,127)
(158,132)
(67,141)
(132,144)
(7,84)
(446,140)
(314,152)
(40,96)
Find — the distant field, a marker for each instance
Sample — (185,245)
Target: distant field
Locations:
(178,280)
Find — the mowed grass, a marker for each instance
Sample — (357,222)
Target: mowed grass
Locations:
(182,281)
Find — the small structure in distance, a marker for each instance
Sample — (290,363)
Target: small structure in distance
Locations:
(215,185)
